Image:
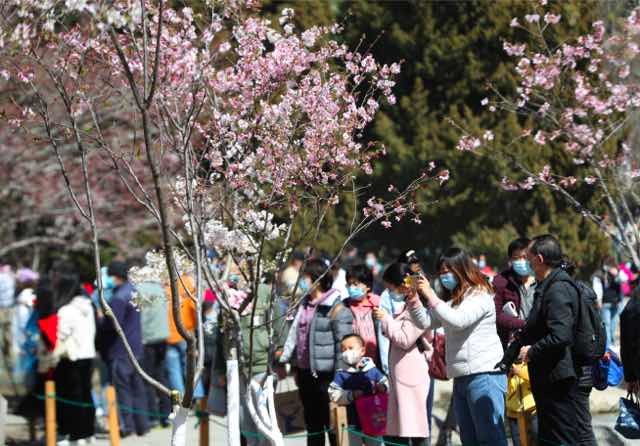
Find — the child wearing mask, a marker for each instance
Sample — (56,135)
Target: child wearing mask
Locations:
(409,353)
(360,378)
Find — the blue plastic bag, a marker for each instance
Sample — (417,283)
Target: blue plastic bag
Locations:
(628,422)
(607,371)
(616,372)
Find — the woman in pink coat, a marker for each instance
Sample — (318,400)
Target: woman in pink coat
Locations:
(409,351)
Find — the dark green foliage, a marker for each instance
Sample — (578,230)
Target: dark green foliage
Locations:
(450,52)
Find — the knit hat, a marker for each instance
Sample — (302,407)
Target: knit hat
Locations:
(24,275)
(118,269)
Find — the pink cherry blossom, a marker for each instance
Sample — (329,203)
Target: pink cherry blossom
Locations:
(513,49)
(468,143)
(540,138)
(527,184)
(551,19)
(568,182)
(443,176)
(508,185)
(532,18)
(545,173)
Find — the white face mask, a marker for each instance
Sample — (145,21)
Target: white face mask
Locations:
(351,357)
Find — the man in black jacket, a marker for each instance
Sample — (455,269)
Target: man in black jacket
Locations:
(630,342)
(559,385)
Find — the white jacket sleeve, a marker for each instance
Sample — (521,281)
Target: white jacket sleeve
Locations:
(596,284)
(65,323)
(422,317)
(472,309)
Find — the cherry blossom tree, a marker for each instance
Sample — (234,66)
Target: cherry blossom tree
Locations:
(37,211)
(578,99)
(242,135)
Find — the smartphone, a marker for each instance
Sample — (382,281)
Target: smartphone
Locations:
(411,280)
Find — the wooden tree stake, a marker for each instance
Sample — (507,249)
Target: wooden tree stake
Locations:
(522,428)
(50,412)
(339,422)
(204,422)
(112,413)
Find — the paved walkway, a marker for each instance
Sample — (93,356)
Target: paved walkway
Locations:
(604,406)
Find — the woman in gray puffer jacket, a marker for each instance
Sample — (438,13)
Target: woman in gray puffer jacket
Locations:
(313,346)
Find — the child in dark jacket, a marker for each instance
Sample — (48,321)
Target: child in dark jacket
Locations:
(361,378)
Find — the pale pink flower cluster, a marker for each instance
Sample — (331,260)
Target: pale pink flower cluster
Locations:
(278,114)
(155,268)
(236,298)
(580,92)
(469,143)
(218,235)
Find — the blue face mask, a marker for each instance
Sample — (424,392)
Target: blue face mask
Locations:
(521,267)
(371,262)
(396,297)
(109,283)
(303,286)
(355,292)
(482,263)
(449,281)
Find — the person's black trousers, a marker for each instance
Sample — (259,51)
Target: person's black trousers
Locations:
(131,394)
(154,365)
(73,383)
(314,393)
(563,413)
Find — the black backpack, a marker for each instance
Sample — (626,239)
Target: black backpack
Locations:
(589,344)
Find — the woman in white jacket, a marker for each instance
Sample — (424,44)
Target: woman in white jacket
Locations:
(473,347)
(76,348)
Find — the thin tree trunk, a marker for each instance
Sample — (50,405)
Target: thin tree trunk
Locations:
(179,427)
(233,399)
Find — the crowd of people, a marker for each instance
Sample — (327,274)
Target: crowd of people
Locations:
(361,331)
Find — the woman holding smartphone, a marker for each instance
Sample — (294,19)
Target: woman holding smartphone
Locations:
(473,347)
(409,351)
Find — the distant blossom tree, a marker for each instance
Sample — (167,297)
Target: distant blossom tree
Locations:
(580,99)
(36,212)
(243,136)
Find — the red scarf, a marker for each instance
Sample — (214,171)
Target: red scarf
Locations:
(49,329)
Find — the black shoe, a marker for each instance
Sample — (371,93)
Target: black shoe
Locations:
(125,434)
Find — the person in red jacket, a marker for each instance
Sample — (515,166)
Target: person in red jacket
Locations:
(514,289)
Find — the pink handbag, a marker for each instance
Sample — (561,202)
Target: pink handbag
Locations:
(372,412)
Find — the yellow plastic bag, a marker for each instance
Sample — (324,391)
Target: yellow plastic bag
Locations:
(519,396)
